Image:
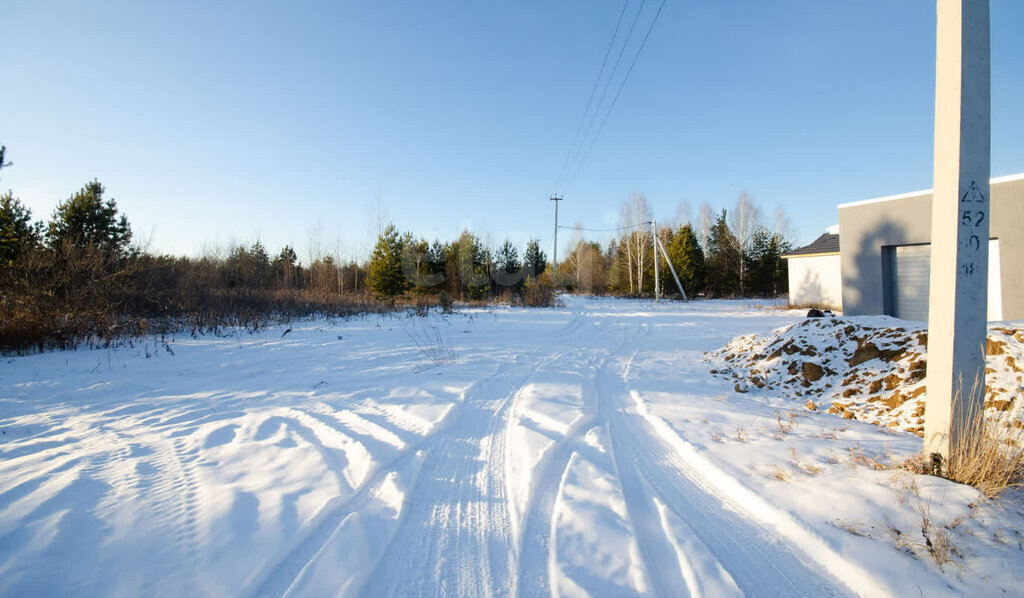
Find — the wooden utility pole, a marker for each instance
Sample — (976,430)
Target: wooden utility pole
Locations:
(554,252)
(958,297)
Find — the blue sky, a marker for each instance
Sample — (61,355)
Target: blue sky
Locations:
(218,122)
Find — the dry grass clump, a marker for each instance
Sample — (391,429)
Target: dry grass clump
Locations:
(435,346)
(983,453)
(784,425)
(857,528)
(936,540)
(804,466)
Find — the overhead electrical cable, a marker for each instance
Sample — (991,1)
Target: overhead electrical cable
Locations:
(590,100)
(621,87)
(607,85)
(605,230)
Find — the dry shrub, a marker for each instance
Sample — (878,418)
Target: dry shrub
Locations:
(876,462)
(857,528)
(784,425)
(538,292)
(432,344)
(804,466)
(982,453)
(780,474)
(936,540)
(81,295)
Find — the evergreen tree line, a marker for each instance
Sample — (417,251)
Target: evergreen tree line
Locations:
(722,257)
(464,269)
(78,278)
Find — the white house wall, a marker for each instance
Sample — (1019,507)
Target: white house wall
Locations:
(816,280)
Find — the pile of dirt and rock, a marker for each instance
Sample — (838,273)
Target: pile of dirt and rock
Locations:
(866,368)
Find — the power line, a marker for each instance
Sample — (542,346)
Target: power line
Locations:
(606,230)
(600,73)
(621,87)
(608,82)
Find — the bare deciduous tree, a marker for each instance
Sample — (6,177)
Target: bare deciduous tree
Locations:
(783,227)
(745,219)
(683,213)
(705,220)
(634,217)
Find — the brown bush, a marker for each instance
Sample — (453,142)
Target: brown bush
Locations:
(538,292)
(73,295)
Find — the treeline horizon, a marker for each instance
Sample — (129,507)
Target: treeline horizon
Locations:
(722,257)
(78,277)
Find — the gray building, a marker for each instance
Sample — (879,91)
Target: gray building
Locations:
(885,254)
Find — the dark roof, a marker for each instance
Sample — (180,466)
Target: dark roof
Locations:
(826,243)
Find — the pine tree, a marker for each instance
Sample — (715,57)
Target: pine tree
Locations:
(723,259)
(85,220)
(285,267)
(417,263)
(767,268)
(472,261)
(688,259)
(386,277)
(507,268)
(18,235)
(534,260)
(287,256)
(3,150)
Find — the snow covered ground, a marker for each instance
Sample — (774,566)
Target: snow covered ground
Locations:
(582,450)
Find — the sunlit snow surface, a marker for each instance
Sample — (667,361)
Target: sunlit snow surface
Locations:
(583,450)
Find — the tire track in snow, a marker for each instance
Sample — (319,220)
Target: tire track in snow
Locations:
(758,561)
(663,570)
(533,575)
(279,579)
(456,536)
(534,550)
(282,577)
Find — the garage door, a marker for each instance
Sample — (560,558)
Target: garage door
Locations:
(910,268)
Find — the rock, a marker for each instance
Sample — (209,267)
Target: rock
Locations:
(811,405)
(815,313)
(918,370)
(739,388)
(999,405)
(812,372)
(847,414)
(892,382)
(867,350)
(895,400)
(875,386)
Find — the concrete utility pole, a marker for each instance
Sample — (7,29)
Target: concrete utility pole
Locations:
(958,297)
(554,262)
(654,245)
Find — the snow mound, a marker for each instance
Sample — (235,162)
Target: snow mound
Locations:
(866,368)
